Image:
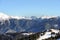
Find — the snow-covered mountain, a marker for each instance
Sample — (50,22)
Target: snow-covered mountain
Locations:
(4,16)
(52,34)
(28,24)
(21,27)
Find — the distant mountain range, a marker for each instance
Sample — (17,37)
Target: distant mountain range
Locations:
(11,24)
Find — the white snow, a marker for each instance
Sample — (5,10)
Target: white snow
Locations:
(21,17)
(17,17)
(11,31)
(27,33)
(47,17)
(54,30)
(4,16)
(48,34)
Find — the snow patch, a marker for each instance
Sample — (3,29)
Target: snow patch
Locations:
(27,33)
(11,31)
(4,16)
(47,17)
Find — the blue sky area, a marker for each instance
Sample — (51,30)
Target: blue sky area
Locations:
(30,7)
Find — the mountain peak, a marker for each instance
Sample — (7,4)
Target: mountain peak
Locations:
(3,16)
(47,17)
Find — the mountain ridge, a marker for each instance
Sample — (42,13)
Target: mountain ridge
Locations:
(24,17)
(28,24)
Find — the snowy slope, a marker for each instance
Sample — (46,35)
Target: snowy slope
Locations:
(30,24)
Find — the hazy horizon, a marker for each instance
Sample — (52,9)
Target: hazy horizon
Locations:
(30,7)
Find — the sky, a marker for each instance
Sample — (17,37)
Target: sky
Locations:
(30,7)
